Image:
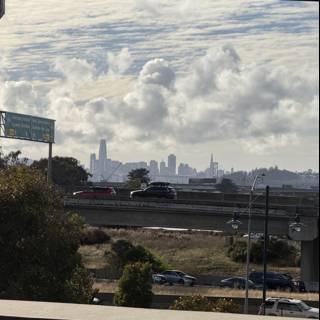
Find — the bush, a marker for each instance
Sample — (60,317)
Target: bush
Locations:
(94,236)
(200,303)
(192,303)
(124,252)
(238,251)
(278,251)
(226,305)
(135,289)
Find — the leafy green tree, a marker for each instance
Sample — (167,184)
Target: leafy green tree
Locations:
(138,176)
(38,242)
(13,158)
(123,252)
(227,186)
(66,171)
(135,289)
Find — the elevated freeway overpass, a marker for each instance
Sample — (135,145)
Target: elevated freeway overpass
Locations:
(209,214)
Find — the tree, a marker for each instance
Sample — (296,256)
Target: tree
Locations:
(38,242)
(11,159)
(66,171)
(135,289)
(227,186)
(123,252)
(138,176)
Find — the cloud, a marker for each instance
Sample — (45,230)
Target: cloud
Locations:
(263,107)
(119,63)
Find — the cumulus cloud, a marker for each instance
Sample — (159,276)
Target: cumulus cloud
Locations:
(119,63)
(263,108)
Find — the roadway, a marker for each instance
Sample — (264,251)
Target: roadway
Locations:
(211,212)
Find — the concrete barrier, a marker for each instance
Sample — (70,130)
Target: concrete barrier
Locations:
(14,309)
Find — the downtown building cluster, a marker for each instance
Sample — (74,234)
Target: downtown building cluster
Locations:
(103,168)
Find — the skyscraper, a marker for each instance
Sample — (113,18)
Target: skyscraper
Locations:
(172,164)
(102,156)
(163,168)
(213,167)
(92,162)
(154,169)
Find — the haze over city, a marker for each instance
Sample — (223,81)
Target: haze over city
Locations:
(238,79)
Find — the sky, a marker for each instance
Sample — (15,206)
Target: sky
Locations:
(238,79)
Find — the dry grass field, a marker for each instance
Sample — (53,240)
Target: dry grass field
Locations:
(197,253)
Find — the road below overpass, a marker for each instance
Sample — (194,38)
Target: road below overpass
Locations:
(205,215)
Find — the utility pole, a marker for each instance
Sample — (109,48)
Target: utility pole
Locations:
(2,8)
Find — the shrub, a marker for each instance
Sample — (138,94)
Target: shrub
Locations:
(226,305)
(94,236)
(135,289)
(124,252)
(238,251)
(278,251)
(200,303)
(192,303)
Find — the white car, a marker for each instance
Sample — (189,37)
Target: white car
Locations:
(289,308)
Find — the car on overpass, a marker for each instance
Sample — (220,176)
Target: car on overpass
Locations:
(288,308)
(236,283)
(158,184)
(95,193)
(174,276)
(154,192)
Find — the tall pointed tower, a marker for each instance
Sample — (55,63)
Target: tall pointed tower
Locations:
(102,156)
(211,166)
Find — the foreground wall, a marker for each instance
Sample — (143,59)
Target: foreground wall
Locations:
(54,311)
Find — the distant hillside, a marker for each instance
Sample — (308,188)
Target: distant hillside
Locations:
(276,177)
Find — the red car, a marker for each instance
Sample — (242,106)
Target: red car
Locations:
(96,193)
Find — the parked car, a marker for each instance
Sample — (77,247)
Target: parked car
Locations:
(154,192)
(299,286)
(96,193)
(174,276)
(289,308)
(274,280)
(237,283)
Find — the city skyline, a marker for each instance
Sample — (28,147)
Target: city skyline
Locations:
(157,77)
(103,167)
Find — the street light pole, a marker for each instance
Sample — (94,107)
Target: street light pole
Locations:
(246,301)
(265,251)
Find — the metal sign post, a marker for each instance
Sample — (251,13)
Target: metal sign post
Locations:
(26,127)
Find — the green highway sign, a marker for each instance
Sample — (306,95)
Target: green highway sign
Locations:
(21,126)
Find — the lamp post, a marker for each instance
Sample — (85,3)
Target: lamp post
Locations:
(295,226)
(246,302)
(265,250)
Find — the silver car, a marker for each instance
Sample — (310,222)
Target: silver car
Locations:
(174,276)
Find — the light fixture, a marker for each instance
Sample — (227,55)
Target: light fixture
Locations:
(235,222)
(296,226)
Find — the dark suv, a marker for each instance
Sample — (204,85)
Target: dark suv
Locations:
(154,192)
(274,280)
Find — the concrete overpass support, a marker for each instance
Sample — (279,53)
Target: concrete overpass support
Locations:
(310,260)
